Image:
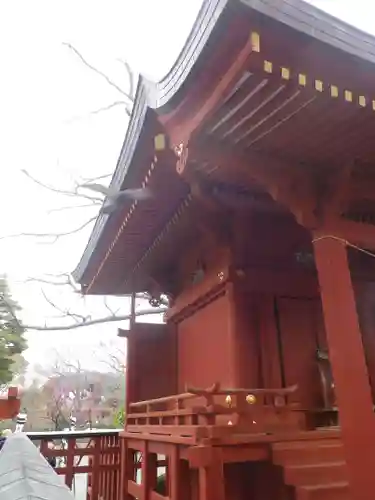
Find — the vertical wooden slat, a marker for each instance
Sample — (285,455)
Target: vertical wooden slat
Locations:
(70,463)
(174,475)
(104,461)
(149,472)
(211,480)
(124,468)
(95,484)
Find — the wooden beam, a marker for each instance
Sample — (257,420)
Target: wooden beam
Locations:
(212,479)
(361,190)
(352,385)
(336,200)
(355,233)
(182,133)
(289,185)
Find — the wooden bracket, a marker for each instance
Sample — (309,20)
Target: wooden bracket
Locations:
(201,456)
(336,196)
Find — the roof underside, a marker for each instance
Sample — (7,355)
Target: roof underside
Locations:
(267,112)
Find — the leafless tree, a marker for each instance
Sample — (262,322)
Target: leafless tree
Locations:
(75,193)
(112,356)
(88,195)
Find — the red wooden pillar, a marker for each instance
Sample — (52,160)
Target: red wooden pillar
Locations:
(130,358)
(211,479)
(149,472)
(348,362)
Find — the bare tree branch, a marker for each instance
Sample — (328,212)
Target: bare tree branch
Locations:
(65,313)
(102,75)
(53,236)
(109,309)
(100,110)
(114,357)
(70,207)
(45,281)
(97,321)
(94,179)
(77,320)
(130,77)
(73,193)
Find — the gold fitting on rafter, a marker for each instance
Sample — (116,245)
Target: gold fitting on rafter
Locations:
(255,41)
(348,96)
(228,400)
(285,73)
(334,91)
(267,65)
(302,79)
(362,101)
(319,85)
(159,142)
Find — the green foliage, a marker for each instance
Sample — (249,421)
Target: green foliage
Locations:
(161,485)
(119,419)
(12,341)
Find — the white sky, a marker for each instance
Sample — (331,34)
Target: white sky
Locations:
(43,87)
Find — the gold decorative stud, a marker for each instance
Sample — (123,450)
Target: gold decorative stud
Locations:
(220,275)
(228,400)
(362,101)
(285,73)
(267,66)
(334,91)
(302,79)
(159,142)
(319,85)
(251,399)
(255,41)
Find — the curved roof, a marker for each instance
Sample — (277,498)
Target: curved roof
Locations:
(160,99)
(26,475)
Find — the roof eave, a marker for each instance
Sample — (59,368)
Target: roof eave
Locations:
(296,14)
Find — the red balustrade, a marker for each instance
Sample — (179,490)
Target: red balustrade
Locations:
(94,454)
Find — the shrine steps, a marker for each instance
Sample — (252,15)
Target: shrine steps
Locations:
(315,469)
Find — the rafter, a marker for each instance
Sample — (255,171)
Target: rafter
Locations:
(181,133)
(289,185)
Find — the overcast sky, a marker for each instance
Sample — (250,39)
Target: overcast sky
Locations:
(45,102)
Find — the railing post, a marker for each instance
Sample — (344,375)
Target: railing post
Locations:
(128,470)
(70,463)
(211,479)
(149,472)
(95,481)
(178,476)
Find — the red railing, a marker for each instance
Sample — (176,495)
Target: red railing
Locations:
(214,412)
(88,460)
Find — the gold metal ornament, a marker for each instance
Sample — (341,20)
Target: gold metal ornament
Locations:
(251,399)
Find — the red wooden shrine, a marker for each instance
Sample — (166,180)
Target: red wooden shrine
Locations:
(10,403)
(258,148)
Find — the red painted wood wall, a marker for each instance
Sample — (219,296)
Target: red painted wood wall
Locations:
(263,331)
(151,362)
(205,346)
(365,294)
